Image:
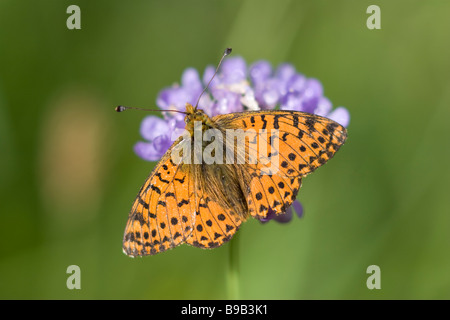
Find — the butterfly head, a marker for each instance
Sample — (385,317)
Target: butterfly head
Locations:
(194,115)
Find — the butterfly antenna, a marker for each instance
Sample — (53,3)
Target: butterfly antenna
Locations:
(123,108)
(225,53)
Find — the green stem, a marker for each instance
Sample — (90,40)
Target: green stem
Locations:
(233,268)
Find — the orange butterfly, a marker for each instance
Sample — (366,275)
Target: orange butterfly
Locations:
(203,204)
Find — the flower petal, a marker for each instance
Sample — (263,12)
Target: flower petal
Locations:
(153,126)
(146,151)
(270,215)
(313,88)
(162,143)
(298,207)
(175,97)
(292,101)
(297,83)
(309,104)
(285,71)
(191,79)
(340,115)
(324,106)
(260,71)
(268,93)
(234,70)
(285,217)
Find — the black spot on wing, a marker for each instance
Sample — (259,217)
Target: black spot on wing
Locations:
(156,189)
(142,202)
(160,178)
(263,119)
(275,121)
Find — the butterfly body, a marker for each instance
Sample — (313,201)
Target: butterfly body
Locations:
(203,203)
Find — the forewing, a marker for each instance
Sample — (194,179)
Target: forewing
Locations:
(304,142)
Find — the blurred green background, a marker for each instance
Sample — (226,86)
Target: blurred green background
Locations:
(69,174)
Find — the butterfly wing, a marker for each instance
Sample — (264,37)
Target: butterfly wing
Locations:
(162,215)
(305,142)
(180,204)
(215,224)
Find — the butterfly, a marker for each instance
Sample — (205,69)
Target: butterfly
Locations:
(203,203)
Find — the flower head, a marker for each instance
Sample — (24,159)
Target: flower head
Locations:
(235,88)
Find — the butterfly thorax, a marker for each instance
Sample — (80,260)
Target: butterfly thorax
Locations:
(219,180)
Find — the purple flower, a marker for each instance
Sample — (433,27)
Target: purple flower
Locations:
(229,90)
(157,132)
(235,88)
(175,97)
